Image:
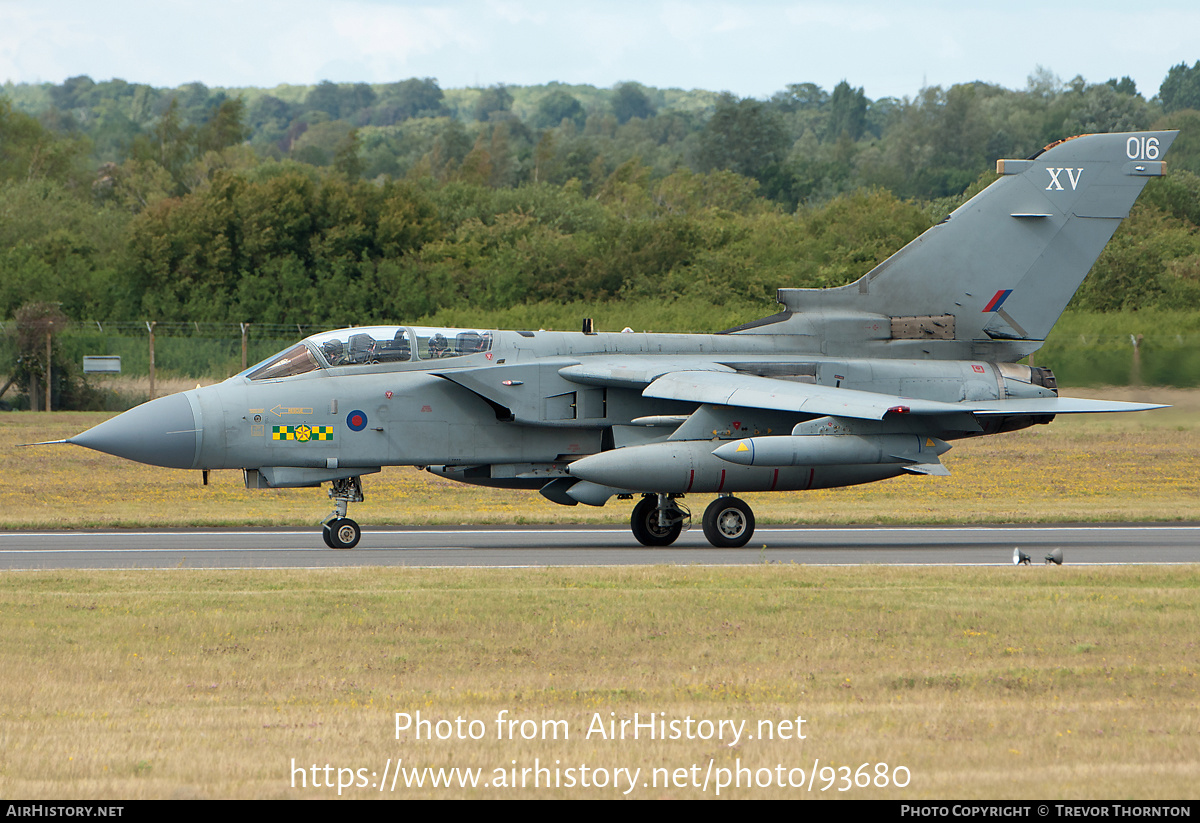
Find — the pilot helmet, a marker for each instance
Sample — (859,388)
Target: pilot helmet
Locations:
(332,349)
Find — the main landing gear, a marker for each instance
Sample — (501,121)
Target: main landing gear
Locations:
(658,519)
(728,523)
(339,531)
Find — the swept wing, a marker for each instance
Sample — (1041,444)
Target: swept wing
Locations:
(768,393)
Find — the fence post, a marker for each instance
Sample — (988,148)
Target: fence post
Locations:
(1135,369)
(150,327)
(49,328)
(245,331)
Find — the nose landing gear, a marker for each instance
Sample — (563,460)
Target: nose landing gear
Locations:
(339,531)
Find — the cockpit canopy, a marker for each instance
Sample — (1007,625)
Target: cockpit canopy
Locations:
(371,345)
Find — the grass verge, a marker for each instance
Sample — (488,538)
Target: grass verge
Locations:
(1039,682)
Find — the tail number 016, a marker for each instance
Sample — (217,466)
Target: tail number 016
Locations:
(1142,148)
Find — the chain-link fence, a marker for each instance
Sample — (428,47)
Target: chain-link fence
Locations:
(166,351)
(194,350)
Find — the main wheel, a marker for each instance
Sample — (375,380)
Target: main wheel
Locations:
(646,529)
(728,523)
(341,533)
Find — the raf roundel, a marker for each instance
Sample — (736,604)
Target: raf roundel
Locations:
(356,420)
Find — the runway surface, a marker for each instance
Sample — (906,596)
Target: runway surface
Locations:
(592,546)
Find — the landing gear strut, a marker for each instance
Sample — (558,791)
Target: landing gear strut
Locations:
(339,531)
(728,523)
(657,520)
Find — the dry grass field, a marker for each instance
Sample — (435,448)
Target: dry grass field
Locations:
(1118,467)
(1009,682)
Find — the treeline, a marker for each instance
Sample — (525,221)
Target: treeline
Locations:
(347,203)
(804,144)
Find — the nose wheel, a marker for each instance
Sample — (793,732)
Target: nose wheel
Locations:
(341,533)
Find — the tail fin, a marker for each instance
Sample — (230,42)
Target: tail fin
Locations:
(1005,264)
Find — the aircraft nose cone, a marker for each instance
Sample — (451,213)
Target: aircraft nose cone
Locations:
(163,432)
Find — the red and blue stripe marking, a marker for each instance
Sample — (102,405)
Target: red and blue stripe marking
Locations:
(998,300)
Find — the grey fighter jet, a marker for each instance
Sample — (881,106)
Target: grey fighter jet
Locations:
(843,386)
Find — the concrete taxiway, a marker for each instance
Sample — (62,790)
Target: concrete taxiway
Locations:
(593,546)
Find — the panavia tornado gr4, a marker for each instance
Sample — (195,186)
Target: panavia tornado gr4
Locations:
(843,386)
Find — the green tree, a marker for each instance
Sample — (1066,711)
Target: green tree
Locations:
(169,144)
(326,97)
(134,185)
(847,112)
(33,322)
(449,148)
(1124,86)
(1103,108)
(181,149)
(494,103)
(347,158)
(357,98)
(194,101)
(1177,194)
(476,167)
(558,106)
(800,97)
(1181,88)
(410,98)
(408,220)
(56,246)
(74,93)
(319,144)
(630,100)
(1185,151)
(743,136)
(29,152)
(1130,271)
(225,127)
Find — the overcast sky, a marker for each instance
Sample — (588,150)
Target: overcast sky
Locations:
(752,48)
